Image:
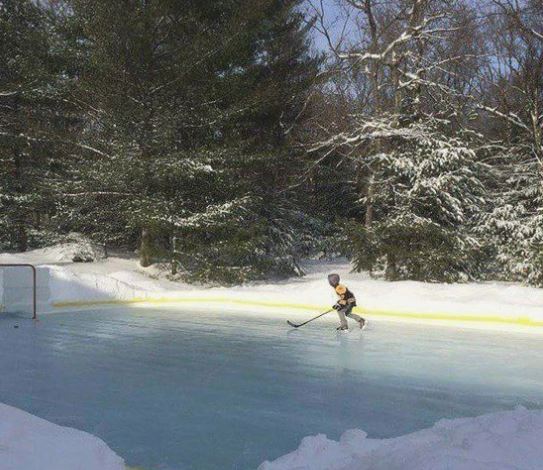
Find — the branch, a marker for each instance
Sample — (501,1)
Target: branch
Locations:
(65,142)
(97,193)
(510,117)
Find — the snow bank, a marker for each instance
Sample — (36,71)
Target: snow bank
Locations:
(31,443)
(483,300)
(499,441)
(61,253)
(66,285)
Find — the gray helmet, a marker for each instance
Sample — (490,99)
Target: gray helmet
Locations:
(333,279)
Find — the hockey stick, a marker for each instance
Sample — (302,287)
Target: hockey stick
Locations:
(306,322)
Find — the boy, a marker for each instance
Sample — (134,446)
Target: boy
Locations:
(345,304)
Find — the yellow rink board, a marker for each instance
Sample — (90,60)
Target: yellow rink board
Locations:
(435,316)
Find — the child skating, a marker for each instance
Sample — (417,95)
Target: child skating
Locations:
(345,304)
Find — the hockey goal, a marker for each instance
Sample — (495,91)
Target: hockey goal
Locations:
(18,289)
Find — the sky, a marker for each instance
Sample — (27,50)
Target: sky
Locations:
(333,18)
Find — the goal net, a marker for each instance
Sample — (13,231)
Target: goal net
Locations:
(18,289)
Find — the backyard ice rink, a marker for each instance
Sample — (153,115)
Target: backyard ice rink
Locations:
(175,388)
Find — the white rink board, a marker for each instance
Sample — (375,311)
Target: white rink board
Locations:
(16,288)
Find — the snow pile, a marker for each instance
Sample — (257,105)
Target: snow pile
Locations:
(498,441)
(31,443)
(78,251)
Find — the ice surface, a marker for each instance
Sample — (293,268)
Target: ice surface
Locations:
(31,443)
(217,389)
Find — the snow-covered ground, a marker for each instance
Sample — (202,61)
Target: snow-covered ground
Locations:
(498,441)
(121,279)
(31,443)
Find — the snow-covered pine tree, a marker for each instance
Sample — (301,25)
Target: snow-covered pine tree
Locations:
(513,229)
(266,90)
(427,200)
(31,119)
(147,93)
(192,109)
(512,107)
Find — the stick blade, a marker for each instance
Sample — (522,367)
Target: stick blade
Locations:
(292,324)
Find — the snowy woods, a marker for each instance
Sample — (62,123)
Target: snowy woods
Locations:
(237,137)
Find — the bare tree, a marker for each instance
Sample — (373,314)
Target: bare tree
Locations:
(513,80)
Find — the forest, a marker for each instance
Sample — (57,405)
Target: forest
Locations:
(234,139)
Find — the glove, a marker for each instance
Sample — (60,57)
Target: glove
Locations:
(337,307)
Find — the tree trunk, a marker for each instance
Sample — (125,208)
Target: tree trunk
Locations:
(391,272)
(174,255)
(21,237)
(369,202)
(145,248)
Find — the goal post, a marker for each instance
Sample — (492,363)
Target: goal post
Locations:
(18,288)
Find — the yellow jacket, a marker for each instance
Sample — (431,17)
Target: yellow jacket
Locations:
(345,295)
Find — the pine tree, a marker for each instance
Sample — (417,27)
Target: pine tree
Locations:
(147,92)
(192,110)
(268,90)
(427,201)
(29,120)
(513,229)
